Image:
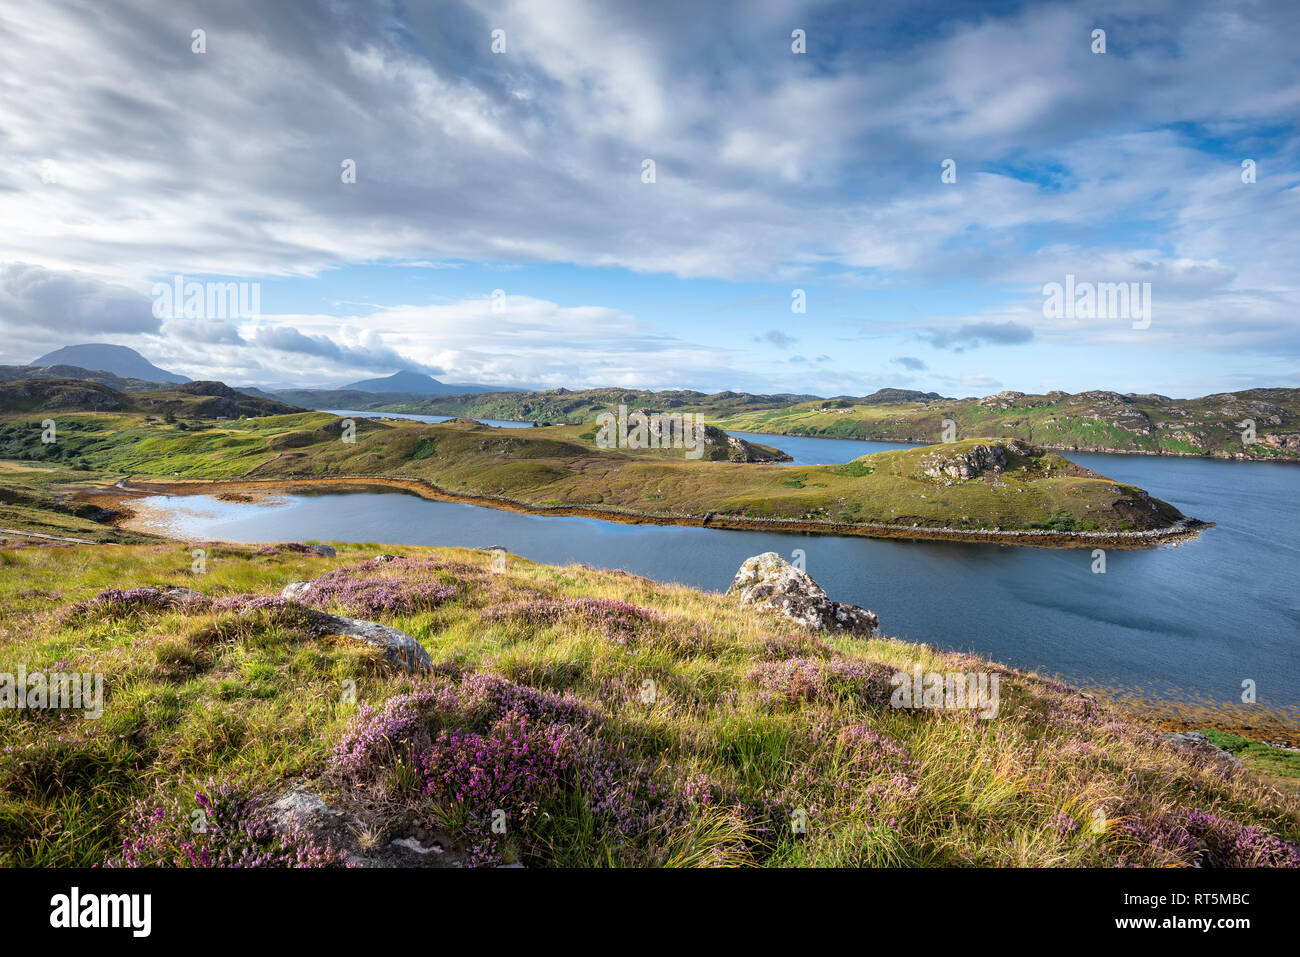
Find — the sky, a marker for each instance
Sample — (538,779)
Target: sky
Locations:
(912,181)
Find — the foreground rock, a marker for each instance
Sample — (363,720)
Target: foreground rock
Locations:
(769,581)
(399,648)
(1204,748)
(365,845)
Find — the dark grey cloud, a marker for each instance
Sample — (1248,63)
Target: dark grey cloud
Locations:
(535,155)
(973,334)
(776,337)
(288,339)
(909,362)
(34,298)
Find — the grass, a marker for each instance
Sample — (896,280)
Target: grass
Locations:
(1264,758)
(555,465)
(1097,422)
(752,724)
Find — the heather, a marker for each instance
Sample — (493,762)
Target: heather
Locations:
(1202,837)
(573,718)
(377,588)
(222,826)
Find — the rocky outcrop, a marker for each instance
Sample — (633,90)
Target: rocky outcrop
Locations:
(768,581)
(399,648)
(719,446)
(1283,441)
(973,462)
(1204,749)
(1000,400)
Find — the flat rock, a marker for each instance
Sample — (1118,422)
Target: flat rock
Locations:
(307,811)
(769,581)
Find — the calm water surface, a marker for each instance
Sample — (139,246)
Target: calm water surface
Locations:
(1197,618)
(429,419)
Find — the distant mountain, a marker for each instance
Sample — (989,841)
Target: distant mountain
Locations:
(102,357)
(414,383)
(8,373)
(200,400)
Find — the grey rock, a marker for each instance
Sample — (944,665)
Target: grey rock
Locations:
(981,458)
(179,594)
(295,591)
(325,550)
(411,844)
(768,581)
(304,810)
(399,648)
(1198,744)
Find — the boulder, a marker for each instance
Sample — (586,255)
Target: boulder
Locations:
(399,648)
(1201,746)
(305,811)
(176,593)
(770,582)
(295,591)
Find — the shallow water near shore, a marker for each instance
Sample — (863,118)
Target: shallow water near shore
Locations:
(1184,622)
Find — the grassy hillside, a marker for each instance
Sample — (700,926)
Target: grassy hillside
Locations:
(552,406)
(1088,421)
(663,726)
(31,501)
(210,400)
(561,466)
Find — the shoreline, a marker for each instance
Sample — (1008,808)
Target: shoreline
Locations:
(112,497)
(1050,448)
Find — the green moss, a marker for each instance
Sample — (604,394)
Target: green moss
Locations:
(1257,755)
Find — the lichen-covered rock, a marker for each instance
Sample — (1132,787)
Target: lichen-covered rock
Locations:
(304,810)
(769,581)
(294,591)
(399,648)
(973,462)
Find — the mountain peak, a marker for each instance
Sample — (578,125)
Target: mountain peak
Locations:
(404,380)
(105,357)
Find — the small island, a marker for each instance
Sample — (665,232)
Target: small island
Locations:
(206,437)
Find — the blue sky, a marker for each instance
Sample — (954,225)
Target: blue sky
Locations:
(521,171)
